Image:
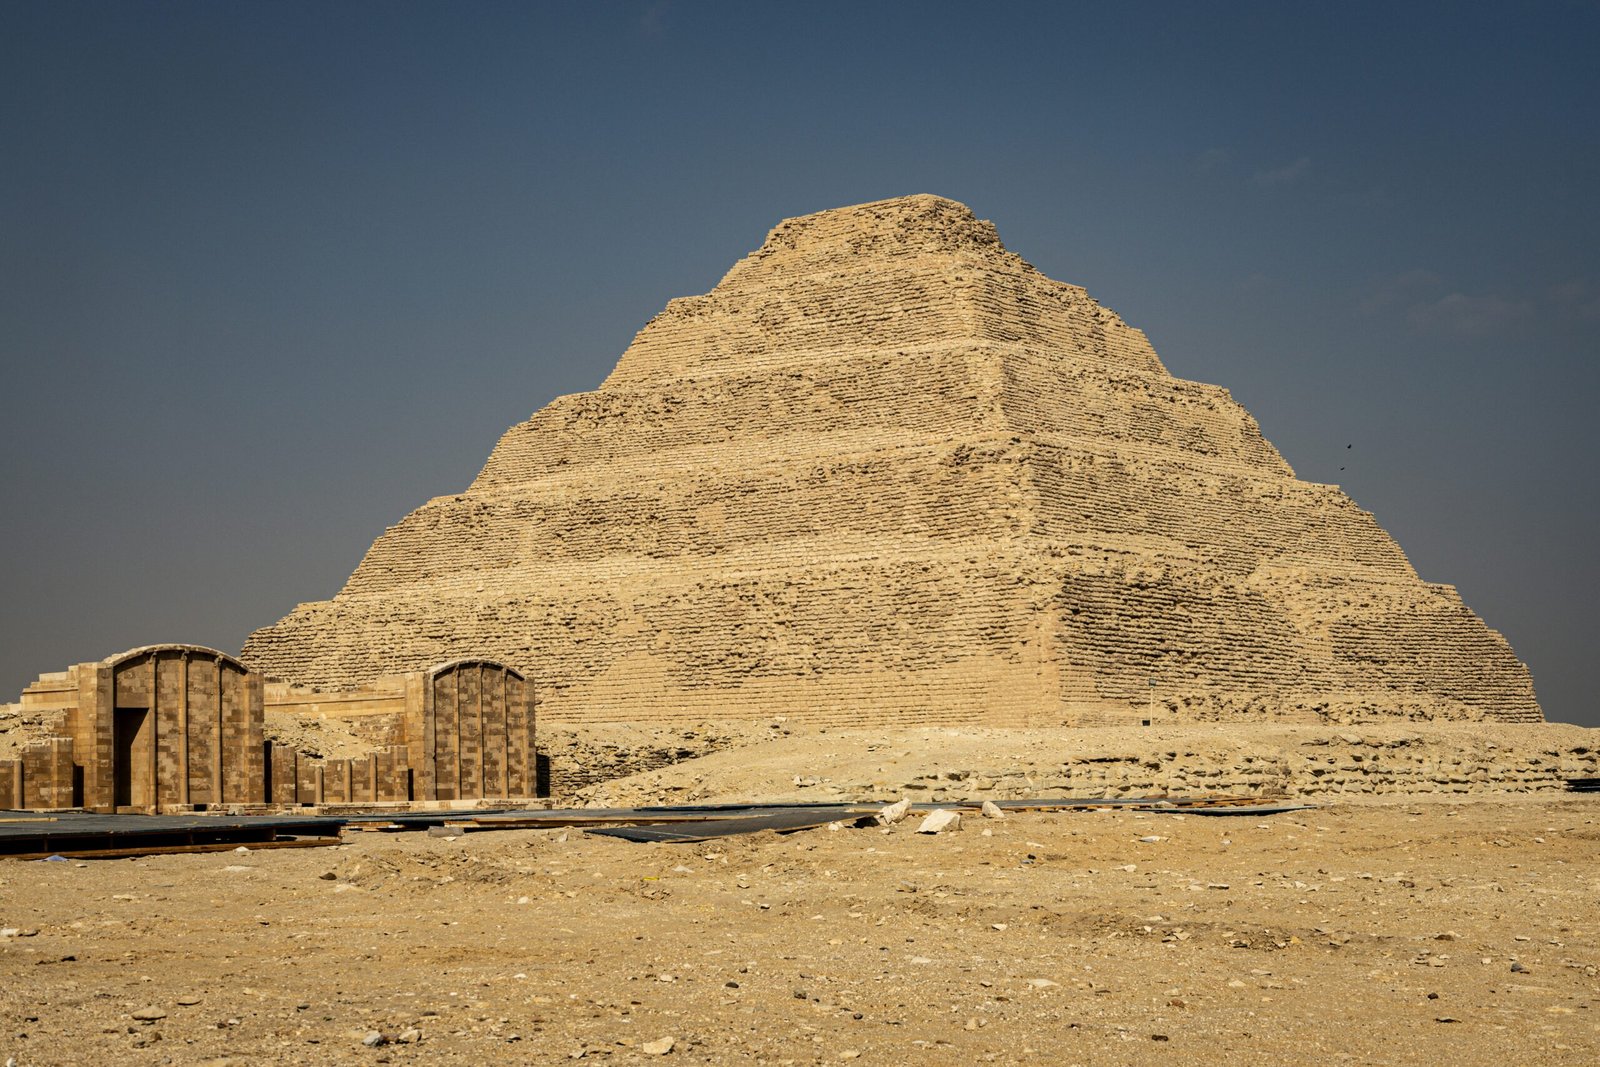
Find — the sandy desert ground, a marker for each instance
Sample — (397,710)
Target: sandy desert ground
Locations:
(1404,930)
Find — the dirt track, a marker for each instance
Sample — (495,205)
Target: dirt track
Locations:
(1365,933)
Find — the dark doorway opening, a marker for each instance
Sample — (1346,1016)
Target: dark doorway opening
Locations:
(130,760)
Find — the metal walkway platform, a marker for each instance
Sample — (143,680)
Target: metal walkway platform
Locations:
(37,835)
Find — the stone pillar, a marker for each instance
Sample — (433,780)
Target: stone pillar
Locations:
(419,727)
(183,730)
(307,784)
(11,783)
(96,711)
(253,731)
(218,741)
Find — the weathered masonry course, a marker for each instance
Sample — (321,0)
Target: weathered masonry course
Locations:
(887,472)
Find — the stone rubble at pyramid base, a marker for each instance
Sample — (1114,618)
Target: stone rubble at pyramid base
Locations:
(1323,764)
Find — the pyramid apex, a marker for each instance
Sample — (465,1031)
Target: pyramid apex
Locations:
(913,204)
(917,223)
(880,276)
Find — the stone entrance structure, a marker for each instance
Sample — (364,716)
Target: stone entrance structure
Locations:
(473,736)
(169,728)
(158,728)
(463,730)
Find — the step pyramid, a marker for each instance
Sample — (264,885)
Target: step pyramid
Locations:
(887,472)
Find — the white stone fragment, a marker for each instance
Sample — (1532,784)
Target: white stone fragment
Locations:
(893,813)
(940,821)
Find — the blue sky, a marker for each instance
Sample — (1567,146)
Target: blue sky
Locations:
(271,275)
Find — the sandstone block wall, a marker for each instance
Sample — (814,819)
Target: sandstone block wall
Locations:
(463,730)
(42,777)
(373,716)
(887,472)
(157,728)
(473,734)
(180,727)
(382,776)
(160,727)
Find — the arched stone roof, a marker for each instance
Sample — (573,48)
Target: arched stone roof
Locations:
(471,661)
(143,650)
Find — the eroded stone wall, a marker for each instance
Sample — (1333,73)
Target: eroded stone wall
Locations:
(887,472)
(41,777)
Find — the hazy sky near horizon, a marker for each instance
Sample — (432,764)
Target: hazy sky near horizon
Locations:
(272,275)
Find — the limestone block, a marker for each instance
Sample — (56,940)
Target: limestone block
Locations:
(939,821)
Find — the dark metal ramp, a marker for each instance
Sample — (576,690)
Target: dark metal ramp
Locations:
(733,823)
(36,835)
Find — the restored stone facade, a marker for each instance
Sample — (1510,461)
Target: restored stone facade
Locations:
(464,730)
(159,728)
(181,727)
(887,472)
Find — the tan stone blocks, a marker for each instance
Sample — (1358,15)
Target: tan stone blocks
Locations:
(886,471)
(42,777)
(473,735)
